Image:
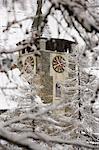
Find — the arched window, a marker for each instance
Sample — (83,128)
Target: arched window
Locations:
(58,90)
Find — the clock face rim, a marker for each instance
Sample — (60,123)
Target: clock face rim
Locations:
(26,65)
(56,64)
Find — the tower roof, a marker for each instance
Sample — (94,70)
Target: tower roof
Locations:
(52,44)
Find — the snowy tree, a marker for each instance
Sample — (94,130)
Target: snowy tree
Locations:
(38,127)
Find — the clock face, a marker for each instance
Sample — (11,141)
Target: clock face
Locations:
(29,64)
(58,64)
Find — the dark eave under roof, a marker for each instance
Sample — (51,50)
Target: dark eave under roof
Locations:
(52,44)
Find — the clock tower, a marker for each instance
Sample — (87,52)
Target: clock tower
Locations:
(54,64)
(51,66)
